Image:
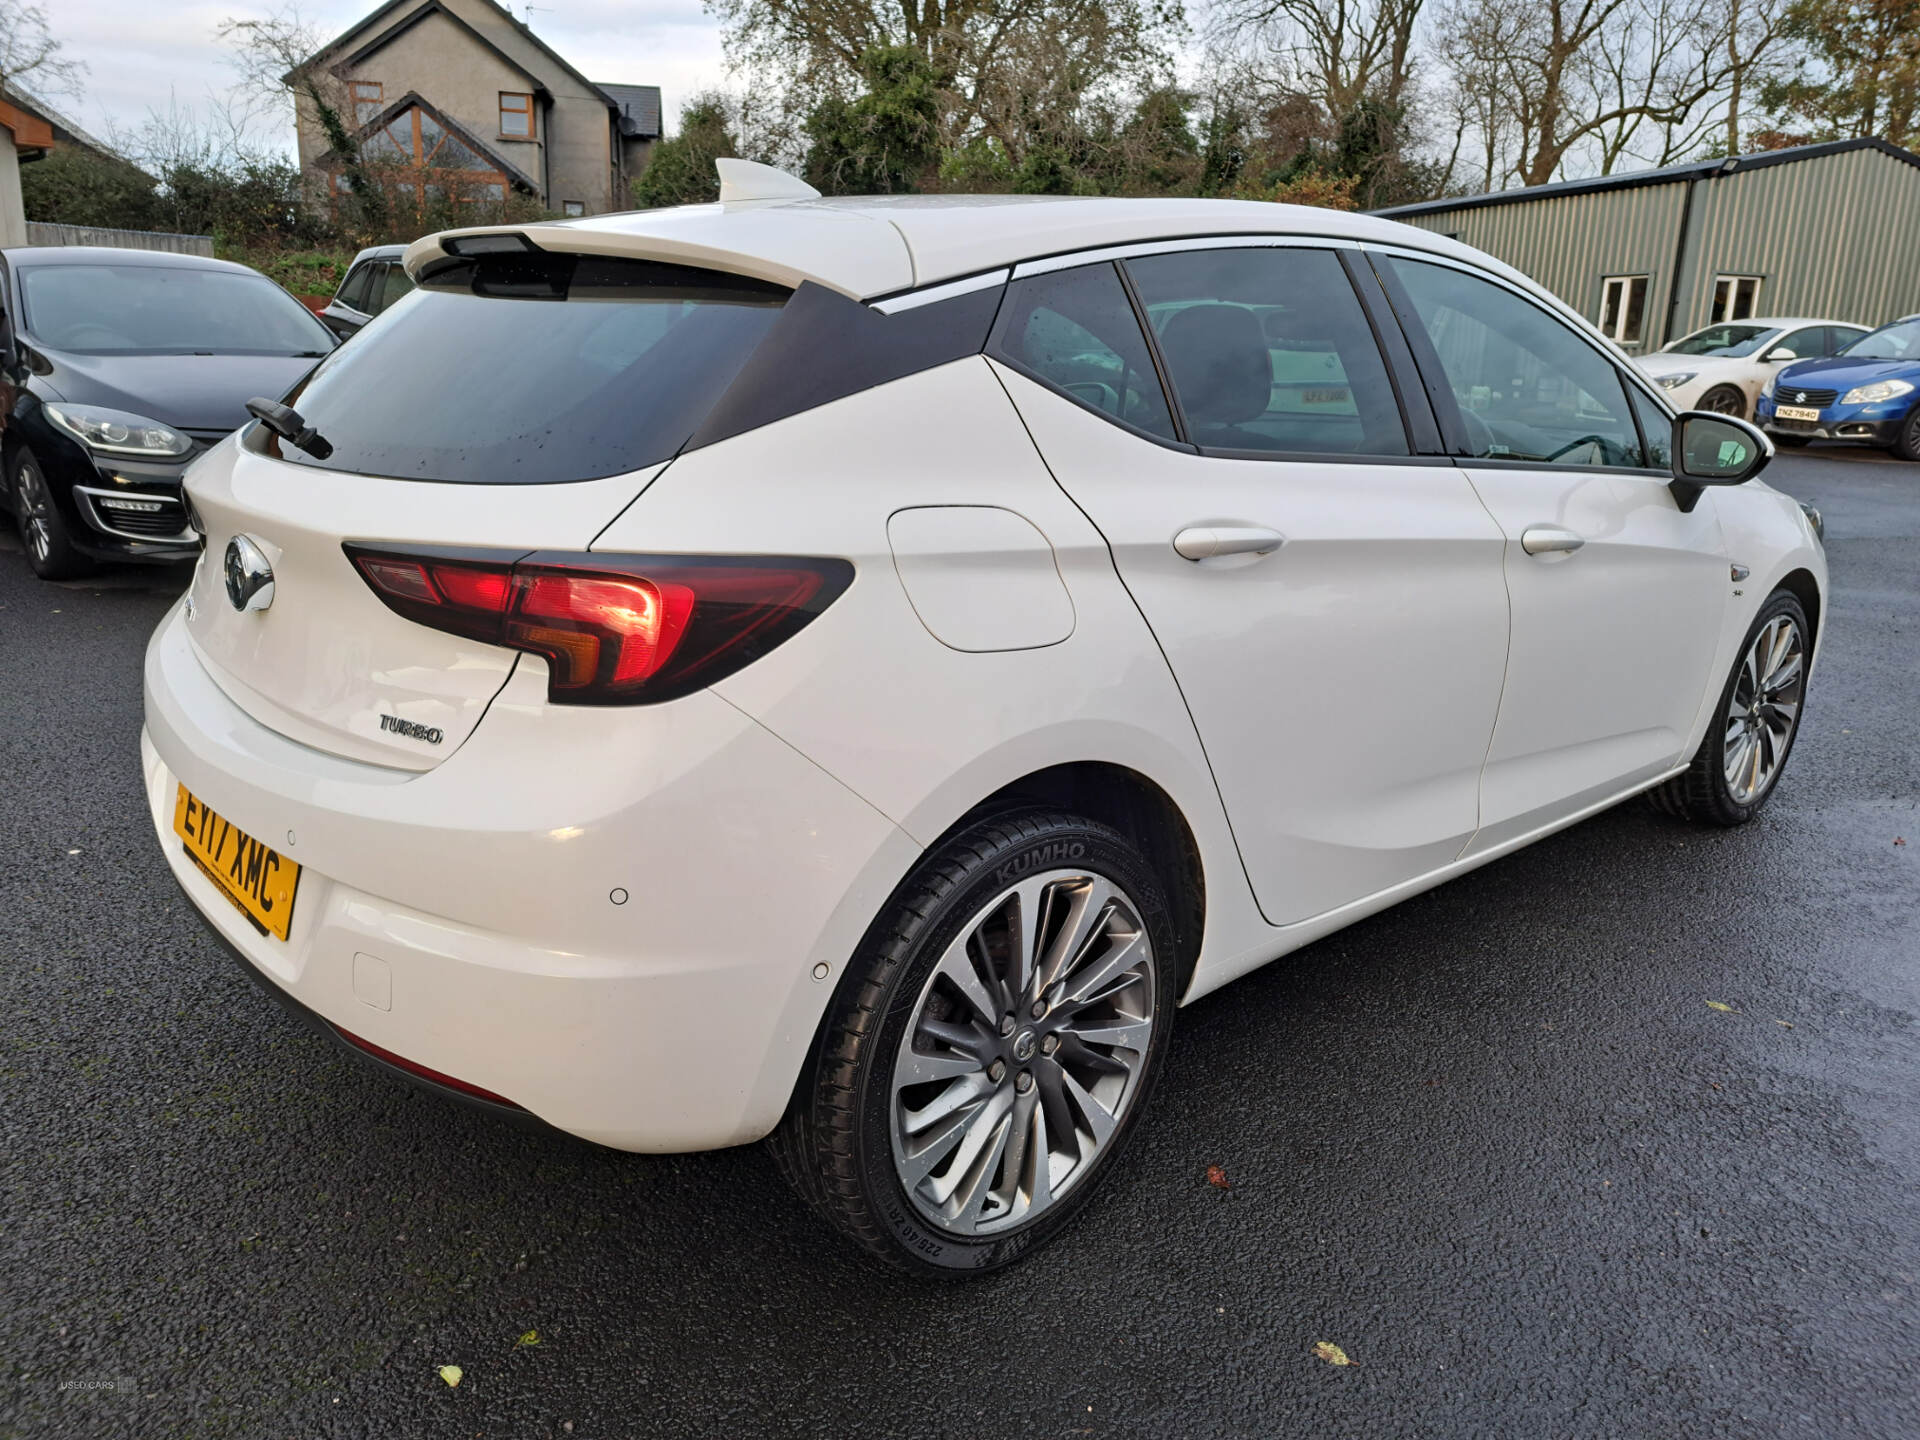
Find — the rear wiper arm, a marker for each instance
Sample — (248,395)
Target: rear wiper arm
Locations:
(285,422)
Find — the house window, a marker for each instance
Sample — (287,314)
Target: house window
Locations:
(1735,297)
(516,116)
(573,207)
(1623,308)
(366,99)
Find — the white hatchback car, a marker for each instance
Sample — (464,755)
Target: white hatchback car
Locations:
(1723,368)
(845,671)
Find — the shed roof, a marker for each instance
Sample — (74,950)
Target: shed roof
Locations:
(1665,175)
(638,107)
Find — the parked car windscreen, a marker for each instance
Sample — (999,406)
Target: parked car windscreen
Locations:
(1732,341)
(1899,341)
(535,368)
(165,310)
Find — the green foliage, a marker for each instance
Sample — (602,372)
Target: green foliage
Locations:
(1858,72)
(73,185)
(250,200)
(681,170)
(304,272)
(885,141)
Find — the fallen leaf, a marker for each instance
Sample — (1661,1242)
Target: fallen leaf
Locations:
(1331,1353)
(1716,1005)
(532,1337)
(1899,839)
(1784,1024)
(451,1374)
(1217,1177)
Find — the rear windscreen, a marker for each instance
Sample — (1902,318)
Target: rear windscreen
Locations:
(534,368)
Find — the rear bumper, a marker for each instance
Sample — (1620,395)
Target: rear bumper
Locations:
(464,918)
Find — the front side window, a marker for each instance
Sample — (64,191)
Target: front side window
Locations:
(1528,386)
(165,310)
(1268,350)
(535,368)
(1656,429)
(516,116)
(1805,344)
(1735,297)
(1076,331)
(356,290)
(1623,308)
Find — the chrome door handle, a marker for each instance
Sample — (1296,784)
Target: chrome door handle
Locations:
(1203,542)
(1549,540)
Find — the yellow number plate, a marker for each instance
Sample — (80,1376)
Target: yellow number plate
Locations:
(258,880)
(1796,412)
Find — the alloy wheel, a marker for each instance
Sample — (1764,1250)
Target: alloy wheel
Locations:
(33,506)
(1725,401)
(1764,709)
(1027,1047)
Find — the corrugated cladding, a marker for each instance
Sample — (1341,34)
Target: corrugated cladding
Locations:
(1834,236)
(1570,243)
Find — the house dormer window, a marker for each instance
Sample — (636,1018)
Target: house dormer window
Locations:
(367,98)
(516,116)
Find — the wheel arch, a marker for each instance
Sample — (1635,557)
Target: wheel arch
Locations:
(1802,585)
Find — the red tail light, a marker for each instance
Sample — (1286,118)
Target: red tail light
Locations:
(614,630)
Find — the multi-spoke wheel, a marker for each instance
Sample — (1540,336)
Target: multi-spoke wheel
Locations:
(1740,761)
(49,551)
(990,1047)
(1725,400)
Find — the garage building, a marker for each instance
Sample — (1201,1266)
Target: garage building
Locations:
(1829,231)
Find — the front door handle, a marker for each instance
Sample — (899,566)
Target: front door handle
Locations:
(1549,540)
(1203,542)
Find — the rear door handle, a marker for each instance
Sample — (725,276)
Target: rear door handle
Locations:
(1549,540)
(1203,542)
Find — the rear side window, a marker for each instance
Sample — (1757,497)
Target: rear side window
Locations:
(354,289)
(1269,350)
(393,286)
(1076,331)
(535,368)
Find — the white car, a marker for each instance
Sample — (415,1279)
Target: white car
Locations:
(1724,367)
(846,671)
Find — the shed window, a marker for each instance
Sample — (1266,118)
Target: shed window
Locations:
(1735,297)
(516,115)
(573,207)
(1623,308)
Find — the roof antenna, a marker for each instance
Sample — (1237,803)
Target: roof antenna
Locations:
(543,9)
(749,180)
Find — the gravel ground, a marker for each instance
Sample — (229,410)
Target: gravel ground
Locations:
(1496,1144)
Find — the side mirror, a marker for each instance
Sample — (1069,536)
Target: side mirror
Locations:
(1711,449)
(1779,352)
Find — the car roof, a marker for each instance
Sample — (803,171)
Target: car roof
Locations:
(379,252)
(876,245)
(1781,322)
(30,255)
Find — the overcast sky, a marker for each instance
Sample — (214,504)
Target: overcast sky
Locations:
(142,53)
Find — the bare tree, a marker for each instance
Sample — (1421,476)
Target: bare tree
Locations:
(1337,51)
(30,56)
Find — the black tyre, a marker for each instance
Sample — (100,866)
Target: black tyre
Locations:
(1738,765)
(43,534)
(991,1047)
(1725,400)
(1907,447)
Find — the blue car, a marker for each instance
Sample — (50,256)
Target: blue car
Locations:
(1870,392)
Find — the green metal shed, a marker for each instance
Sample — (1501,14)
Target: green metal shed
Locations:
(1828,231)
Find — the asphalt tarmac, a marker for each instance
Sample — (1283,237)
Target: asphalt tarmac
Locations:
(1503,1145)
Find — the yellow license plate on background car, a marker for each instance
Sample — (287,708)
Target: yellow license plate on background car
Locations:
(256,878)
(1796,412)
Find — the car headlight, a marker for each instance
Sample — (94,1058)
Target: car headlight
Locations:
(1674,382)
(115,432)
(1813,519)
(1878,390)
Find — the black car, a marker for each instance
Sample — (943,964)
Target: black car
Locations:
(117,368)
(373,282)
